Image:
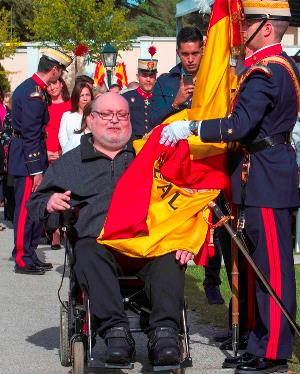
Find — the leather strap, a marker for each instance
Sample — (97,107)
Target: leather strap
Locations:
(268,142)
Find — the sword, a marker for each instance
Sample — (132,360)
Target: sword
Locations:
(242,246)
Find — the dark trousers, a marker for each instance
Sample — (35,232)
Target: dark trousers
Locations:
(97,268)
(269,235)
(26,232)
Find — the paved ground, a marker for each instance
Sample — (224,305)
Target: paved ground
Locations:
(29,325)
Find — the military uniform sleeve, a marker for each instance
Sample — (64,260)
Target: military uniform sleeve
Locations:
(160,104)
(258,93)
(34,117)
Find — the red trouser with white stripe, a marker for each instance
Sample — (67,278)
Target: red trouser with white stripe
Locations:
(269,236)
(26,232)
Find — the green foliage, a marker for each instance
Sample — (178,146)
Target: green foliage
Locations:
(7,44)
(4,82)
(155,18)
(22,12)
(90,22)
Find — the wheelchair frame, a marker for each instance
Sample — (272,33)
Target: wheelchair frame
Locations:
(76,333)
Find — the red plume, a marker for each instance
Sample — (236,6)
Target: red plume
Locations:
(152,50)
(81,50)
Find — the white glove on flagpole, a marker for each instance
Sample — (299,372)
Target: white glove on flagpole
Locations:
(177,130)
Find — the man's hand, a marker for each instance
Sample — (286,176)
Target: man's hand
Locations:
(52,156)
(184,93)
(183,257)
(58,202)
(177,130)
(37,180)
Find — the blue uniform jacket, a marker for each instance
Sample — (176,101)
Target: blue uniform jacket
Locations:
(27,152)
(265,106)
(164,93)
(139,109)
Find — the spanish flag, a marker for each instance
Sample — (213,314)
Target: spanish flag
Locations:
(99,74)
(159,204)
(121,75)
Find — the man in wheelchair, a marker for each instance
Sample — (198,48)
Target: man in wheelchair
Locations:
(85,177)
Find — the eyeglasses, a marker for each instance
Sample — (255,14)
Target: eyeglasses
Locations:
(108,116)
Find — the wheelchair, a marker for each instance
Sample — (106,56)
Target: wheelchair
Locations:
(77,328)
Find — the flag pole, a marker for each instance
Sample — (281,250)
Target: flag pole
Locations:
(242,247)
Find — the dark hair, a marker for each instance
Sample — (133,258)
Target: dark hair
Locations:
(86,112)
(115,85)
(76,94)
(84,78)
(1,94)
(189,34)
(64,92)
(46,65)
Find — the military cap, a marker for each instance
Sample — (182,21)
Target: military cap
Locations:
(147,65)
(58,57)
(271,9)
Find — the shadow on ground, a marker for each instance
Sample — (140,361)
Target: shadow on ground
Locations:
(47,338)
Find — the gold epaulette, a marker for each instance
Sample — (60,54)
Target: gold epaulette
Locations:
(258,68)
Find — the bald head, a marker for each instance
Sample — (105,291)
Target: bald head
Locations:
(107,98)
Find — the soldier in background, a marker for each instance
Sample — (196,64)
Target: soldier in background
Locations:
(27,159)
(139,99)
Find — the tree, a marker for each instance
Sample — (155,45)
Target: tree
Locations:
(8,43)
(21,13)
(155,18)
(71,23)
(4,82)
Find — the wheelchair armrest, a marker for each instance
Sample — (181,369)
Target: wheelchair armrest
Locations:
(69,217)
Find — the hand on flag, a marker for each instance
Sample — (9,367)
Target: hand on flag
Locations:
(177,130)
(183,257)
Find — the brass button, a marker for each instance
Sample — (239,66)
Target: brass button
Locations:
(229,131)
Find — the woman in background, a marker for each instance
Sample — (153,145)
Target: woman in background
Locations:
(68,135)
(59,103)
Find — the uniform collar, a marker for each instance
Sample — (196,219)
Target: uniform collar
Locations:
(145,95)
(257,56)
(39,81)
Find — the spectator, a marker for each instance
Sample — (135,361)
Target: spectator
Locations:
(84,79)
(82,94)
(115,88)
(59,103)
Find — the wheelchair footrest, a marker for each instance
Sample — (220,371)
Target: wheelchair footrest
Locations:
(94,363)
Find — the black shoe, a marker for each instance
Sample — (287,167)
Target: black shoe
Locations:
(262,366)
(163,347)
(55,247)
(227,344)
(213,294)
(120,346)
(44,265)
(29,269)
(233,362)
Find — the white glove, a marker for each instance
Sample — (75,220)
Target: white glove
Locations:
(177,130)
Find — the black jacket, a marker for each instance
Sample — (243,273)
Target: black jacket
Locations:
(91,176)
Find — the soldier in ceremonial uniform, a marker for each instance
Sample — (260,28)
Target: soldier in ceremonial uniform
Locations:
(140,99)
(264,113)
(27,159)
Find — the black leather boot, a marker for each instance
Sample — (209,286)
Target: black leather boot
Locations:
(120,346)
(163,347)
(233,362)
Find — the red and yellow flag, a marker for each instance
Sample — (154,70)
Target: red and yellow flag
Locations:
(99,74)
(121,75)
(159,203)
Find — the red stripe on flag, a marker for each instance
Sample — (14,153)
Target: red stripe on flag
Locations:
(275,280)
(22,221)
(219,11)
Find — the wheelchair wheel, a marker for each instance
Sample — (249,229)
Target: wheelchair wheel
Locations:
(78,357)
(64,336)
